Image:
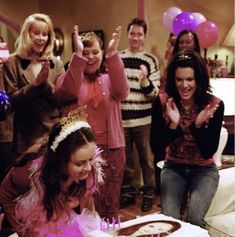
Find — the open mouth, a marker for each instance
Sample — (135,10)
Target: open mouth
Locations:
(90,63)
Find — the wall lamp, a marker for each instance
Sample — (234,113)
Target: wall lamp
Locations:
(59,42)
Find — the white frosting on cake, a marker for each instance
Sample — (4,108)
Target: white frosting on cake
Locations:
(185,230)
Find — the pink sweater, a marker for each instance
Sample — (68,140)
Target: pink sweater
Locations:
(103,106)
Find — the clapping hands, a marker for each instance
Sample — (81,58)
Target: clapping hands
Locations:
(115,40)
(205,115)
(143,72)
(77,41)
(172,113)
(43,74)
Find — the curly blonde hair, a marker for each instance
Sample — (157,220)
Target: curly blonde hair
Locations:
(23,43)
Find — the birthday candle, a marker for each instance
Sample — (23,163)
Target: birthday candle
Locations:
(101,225)
(107,224)
(119,221)
(113,222)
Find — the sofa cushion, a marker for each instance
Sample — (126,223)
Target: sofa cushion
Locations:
(224,199)
(222,225)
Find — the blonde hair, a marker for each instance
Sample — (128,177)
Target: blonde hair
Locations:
(23,43)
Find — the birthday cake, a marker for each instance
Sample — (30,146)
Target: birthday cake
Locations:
(153,225)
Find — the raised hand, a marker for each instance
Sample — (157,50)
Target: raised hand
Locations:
(204,116)
(114,42)
(172,113)
(77,42)
(43,74)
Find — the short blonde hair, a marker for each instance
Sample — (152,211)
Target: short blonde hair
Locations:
(23,43)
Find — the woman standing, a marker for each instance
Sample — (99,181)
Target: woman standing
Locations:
(186,123)
(29,78)
(102,93)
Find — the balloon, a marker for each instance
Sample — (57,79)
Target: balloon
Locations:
(207,33)
(184,21)
(199,18)
(4,104)
(168,17)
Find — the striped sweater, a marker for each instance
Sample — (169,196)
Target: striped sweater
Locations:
(136,108)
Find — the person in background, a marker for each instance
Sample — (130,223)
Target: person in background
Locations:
(186,124)
(7,156)
(42,192)
(143,74)
(187,40)
(29,79)
(170,46)
(102,93)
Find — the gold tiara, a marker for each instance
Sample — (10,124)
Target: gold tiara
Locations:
(76,115)
(75,120)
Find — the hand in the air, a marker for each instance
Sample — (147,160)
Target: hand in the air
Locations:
(115,40)
(77,41)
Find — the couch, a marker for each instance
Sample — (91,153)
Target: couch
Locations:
(220,217)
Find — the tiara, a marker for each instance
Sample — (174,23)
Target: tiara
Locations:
(75,120)
(184,57)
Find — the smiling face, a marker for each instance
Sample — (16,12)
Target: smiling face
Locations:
(136,37)
(186,42)
(39,35)
(81,162)
(94,55)
(185,84)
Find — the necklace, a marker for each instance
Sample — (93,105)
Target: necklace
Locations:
(189,110)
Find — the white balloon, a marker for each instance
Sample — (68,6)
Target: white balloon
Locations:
(168,17)
(199,18)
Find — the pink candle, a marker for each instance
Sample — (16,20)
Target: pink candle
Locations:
(119,221)
(113,222)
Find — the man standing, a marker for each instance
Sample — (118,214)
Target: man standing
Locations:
(143,73)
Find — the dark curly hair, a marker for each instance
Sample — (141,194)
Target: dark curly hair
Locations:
(189,58)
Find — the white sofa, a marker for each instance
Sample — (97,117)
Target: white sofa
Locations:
(220,217)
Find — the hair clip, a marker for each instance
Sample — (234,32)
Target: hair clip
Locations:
(184,57)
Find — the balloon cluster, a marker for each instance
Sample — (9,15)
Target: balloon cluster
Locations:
(175,20)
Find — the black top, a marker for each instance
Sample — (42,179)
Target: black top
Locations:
(207,138)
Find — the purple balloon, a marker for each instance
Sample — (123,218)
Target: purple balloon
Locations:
(168,17)
(184,21)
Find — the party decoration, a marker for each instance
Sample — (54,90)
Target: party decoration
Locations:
(207,33)
(184,21)
(168,17)
(5,105)
(199,18)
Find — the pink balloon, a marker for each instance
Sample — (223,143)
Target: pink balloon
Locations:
(199,18)
(184,21)
(207,33)
(168,17)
